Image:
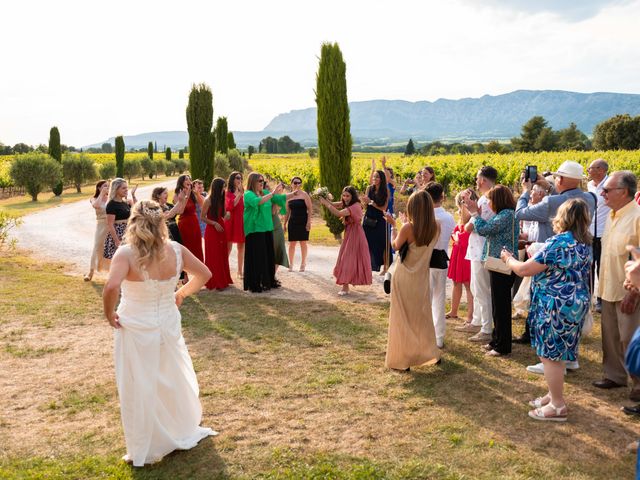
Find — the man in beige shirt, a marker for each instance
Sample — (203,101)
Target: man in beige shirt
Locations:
(620,312)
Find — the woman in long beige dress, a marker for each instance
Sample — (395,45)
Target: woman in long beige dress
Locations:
(412,339)
(99,203)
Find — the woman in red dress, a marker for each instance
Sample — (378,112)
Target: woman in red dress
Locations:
(459,266)
(188,222)
(216,256)
(234,226)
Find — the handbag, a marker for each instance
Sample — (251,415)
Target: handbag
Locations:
(439,259)
(369,222)
(402,253)
(494,264)
(587,324)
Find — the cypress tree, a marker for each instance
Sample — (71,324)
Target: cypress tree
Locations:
(199,125)
(150,150)
(410,148)
(231,142)
(221,135)
(55,151)
(155,146)
(334,127)
(120,156)
(181,153)
(167,153)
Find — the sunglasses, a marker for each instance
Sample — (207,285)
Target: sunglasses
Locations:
(238,178)
(296,182)
(261,180)
(607,190)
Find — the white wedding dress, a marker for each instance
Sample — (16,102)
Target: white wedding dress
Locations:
(157,385)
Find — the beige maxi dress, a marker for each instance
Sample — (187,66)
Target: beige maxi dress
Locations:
(98,262)
(412,338)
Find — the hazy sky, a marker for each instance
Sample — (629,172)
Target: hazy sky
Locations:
(102,68)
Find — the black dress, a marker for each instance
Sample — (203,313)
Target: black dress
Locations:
(172,225)
(122,211)
(298,217)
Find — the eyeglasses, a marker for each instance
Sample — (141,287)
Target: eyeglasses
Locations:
(607,190)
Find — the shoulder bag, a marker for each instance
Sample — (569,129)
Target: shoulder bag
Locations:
(494,264)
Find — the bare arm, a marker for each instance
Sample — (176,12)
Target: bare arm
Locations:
(199,274)
(307,201)
(117,273)
(338,213)
(522,269)
(203,216)
(111,222)
(398,238)
(287,215)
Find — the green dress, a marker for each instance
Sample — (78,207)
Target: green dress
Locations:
(279,246)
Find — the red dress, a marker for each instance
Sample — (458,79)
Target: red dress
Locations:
(189,227)
(459,267)
(354,263)
(234,227)
(215,254)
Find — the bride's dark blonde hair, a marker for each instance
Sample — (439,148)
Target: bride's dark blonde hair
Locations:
(147,232)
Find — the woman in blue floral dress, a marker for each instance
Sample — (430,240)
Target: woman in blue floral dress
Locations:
(559,301)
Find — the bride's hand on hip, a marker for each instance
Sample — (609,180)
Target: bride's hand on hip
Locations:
(113,318)
(179,299)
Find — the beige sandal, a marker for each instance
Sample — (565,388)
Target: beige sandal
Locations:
(558,415)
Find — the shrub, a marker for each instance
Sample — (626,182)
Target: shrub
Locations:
(166,167)
(147,167)
(78,169)
(181,165)
(107,170)
(7,222)
(236,161)
(221,166)
(131,168)
(35,171)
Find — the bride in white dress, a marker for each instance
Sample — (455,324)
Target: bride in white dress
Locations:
(157,385)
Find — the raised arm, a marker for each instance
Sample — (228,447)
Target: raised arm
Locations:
(345,212)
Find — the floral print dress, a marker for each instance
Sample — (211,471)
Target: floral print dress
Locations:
(560,297)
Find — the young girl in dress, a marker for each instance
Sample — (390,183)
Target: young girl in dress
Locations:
(459,266)
(353,266)
(216,256)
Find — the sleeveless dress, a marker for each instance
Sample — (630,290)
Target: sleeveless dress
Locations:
(190,230)
(353,265)
(298,217)
(215,255)
(412,338)
(279,248)
(122,212)
(156,382)
(377,238)
(98,261)
(459,267)
(234,227)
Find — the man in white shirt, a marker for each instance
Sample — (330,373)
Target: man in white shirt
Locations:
(482,322)
(598,175)
(438,276)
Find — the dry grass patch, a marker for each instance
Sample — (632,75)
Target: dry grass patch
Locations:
(297,390)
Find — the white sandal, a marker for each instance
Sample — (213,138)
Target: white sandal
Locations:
(537,403)
(558,415)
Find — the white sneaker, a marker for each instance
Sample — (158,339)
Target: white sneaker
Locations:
(572,365)
(539,369)
(440,343)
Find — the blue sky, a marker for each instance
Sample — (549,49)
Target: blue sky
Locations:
(98,69)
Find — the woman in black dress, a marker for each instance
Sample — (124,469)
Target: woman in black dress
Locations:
(373,223)
(171,211)
(298,221)
(118,211)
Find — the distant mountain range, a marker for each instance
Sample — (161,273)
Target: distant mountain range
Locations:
(469,119)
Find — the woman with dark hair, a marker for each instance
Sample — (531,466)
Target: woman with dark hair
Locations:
(374,224)
(298,221)
(560,299)
(99,203)
(412,336)
(169,210)
(234,227)
(428,175)
(500,231)
(188,222)
(259,259)
(216,256)
(353,266)
(118,211)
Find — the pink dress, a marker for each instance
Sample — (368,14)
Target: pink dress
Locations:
(459,267)
(354,264)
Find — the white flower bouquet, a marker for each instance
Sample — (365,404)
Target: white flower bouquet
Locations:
(322,192)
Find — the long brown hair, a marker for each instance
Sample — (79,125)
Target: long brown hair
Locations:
(573,216)
(423,218)
(231,183)
(98,187)
(252,180)
(501,198)
(216,198)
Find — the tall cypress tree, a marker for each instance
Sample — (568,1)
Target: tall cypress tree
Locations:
(199,125)
(231,142)
(55,151)
(150,150)
(221,135)
(334,127)
(167,153)
(120,156)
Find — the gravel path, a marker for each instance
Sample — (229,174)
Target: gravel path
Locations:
(65,234)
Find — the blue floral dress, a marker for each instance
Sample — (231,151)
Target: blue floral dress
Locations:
(560,297)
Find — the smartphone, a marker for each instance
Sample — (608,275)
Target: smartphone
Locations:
(531,173)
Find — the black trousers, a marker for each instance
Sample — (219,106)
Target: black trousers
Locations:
(597,252)
(501,307)
(259,262)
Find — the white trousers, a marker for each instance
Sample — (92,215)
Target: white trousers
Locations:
(438,279)
(481,290)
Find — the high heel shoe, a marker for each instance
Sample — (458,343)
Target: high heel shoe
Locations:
(88,276)
(302,266)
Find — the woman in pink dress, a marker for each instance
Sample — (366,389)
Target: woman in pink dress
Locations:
(234,226)
(459,266)
(216,256)
(188,223)
(353,266)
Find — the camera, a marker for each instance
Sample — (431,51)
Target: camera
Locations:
(531,173)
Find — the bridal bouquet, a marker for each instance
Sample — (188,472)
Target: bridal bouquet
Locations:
(322,192)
